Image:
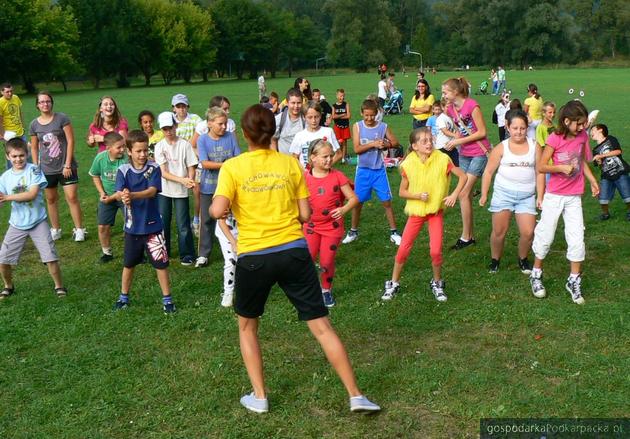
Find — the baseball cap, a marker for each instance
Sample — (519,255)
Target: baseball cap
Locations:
(166,119)
(179,99)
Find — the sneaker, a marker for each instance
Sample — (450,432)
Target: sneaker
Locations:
(201,262)
(105,258)
(460,244)
(79,234)
(120,305)
(391,289)
(251,403)
(56,234)
(187,261)
(574,286)
(604,216)
(352,236)
(226,299)
(195,229)
(538,289)
(525,266)
(169,308)
(329,300)
(494,266)
(61,292)
(395,238)
(362,404)
(437,287)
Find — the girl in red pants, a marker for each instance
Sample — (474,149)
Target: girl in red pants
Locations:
(425,183)
(328,188)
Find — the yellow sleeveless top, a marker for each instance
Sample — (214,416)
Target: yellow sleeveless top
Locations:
(431,177)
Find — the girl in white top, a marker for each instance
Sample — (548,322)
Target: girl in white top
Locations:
(515,187)
(313,131)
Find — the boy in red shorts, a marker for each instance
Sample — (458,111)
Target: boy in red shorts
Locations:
(341,117)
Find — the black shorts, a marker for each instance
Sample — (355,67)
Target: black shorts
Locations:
(58,179)
(293,270)
(154,245)
(106,213)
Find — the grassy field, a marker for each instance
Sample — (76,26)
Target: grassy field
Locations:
(72,368)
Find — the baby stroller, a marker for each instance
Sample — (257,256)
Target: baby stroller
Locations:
(483,88)
(394,105)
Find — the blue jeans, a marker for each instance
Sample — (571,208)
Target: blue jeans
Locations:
(185,241)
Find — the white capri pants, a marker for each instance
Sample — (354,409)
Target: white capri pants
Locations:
(570,207)
(229,256)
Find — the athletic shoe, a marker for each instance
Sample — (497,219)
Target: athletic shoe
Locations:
(187,261)
(604,216)
(201,262)
(61,292)
(362,404)
(105,258)
(538,289)
(169,308)
(460,244)
(251,403)
(395,238)
(329,300)
(437,287)
(120,305)
(525,266)
(79,234)
(351,236)
(391,289)
(494,266)
(195,229)
(56,234)
(574,287)
(226,299)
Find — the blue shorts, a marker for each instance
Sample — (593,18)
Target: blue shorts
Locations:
(607,189)
(514,201)
(367,179)
(473,165)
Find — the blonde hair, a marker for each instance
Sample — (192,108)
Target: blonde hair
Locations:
(214,112)
(458,85)
(316,145)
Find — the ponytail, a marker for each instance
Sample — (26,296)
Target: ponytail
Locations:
(458,85)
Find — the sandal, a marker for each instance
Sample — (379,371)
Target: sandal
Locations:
(61,292)
(6,292)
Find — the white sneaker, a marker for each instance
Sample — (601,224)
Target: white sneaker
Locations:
(350,237)
(437,287)
(395,238)
(56,234)
(574,287)
(362,404)
(201,262)
(195,229)
(390,290)
(226,299)
(79,234)
(538,289)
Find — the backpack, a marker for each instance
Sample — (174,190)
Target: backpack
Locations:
(283,120)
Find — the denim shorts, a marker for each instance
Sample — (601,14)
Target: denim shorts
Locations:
(607,189)
(514,201)
(473,165)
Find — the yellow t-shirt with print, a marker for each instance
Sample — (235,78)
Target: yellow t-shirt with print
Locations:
(534,109)
(11,112)
(432,176)
(416,103)
(263,187)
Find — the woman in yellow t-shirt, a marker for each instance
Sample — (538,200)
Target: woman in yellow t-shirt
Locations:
(266,191)
(533,106)
(421,104)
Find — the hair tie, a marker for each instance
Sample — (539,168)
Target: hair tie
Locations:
(324,139)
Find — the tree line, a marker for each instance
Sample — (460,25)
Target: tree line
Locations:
(43,40)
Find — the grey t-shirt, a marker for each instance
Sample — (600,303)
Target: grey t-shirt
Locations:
(53,145)
(289,130)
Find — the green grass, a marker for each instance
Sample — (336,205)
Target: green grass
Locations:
(72,368)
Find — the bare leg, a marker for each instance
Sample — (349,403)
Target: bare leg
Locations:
(127,277)
(252,356)
(389,213)
(52,200)
(55,273)
(104,235)
(500,225)
(162,275)
(72,198)
(465,205)
(398,267)
(7,275)
(356,216)
(538,263)
(526,225)
(576,267)
(335,353)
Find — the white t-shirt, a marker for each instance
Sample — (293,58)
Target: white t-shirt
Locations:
(501,110)
(178,158)
(202,127)
(443,121)
(303,139)
(382,89)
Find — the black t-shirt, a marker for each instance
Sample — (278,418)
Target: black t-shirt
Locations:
(612,167)
(341,109)
(326,110)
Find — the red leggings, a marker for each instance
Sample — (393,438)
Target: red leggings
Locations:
(413,227)
(326,246)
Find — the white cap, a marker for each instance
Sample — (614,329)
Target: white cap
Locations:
(179,99)
(166,119)
(8,135)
